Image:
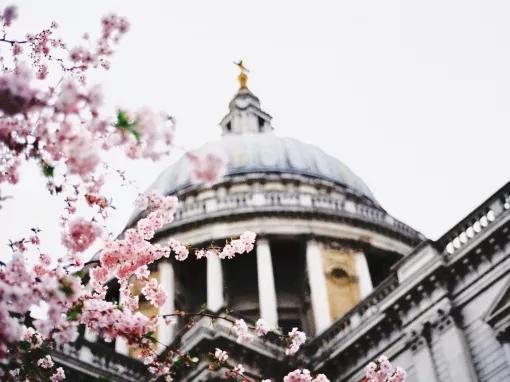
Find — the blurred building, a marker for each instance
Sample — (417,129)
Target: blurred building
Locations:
(329,260)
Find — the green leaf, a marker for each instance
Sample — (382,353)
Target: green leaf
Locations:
(122,119)
(150,336)
(80,274)
(24,345)
(75,312)
(124,124)
(177,363)
(136,134)
(47,170)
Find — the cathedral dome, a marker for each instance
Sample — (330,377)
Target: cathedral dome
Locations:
(323,241)
(268,154)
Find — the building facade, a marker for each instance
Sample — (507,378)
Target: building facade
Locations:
(329,260)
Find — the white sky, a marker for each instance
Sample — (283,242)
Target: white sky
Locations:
(414,96)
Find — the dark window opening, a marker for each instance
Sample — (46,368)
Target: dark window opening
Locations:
(112,294)
(190,285)
(339,273)
(229,127)
(261,124)
(288,256)
(286,325)
(379,264)
(241,286)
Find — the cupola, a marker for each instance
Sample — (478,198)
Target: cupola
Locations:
(245,114)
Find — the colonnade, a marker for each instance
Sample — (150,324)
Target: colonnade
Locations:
(266,288)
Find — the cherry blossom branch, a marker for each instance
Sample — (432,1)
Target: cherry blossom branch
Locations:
(12,42)
(64,129)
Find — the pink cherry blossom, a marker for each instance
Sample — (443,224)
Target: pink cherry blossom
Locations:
(46,362)
(398,375)
(320,378)
(181,252)
(58,376)
(153,293)
(238,370)
(297,338)
(98,276)
(242,332)
(303,375)
(220,355)
(381,371)
(228,252)
(80,234)
(299,375)
(208,168)
(200,253)
(261,328)
(10,14)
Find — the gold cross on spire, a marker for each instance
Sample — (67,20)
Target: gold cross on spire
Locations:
(242,77)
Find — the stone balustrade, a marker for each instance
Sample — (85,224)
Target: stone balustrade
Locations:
(99,360)
(346,327)
(282,201)
(203,329)
(476,222)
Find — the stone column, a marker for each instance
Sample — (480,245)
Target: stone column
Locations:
(167,283)
(214,283)
(506,350)
(267,290)
(318,291)
(456,353)
(121,345)
(85,353)
(363,273)
(423,362)
(89,335)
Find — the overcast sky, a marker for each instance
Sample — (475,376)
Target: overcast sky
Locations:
(414,96)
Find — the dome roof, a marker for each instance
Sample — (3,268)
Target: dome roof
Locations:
(267,153)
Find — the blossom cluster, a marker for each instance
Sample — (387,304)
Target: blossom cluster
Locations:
(64,130)
(303,375)
(244,244)
(45,362)
(242,331)
(381,370)
(57,376)
(20,289)
(70,303)
(108,320)
(221,355)
(80,234)
(297,338)
(207,167)
(63,127)
(153,293)
(298,375)
(123,257)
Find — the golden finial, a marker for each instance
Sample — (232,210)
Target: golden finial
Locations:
(242,77)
